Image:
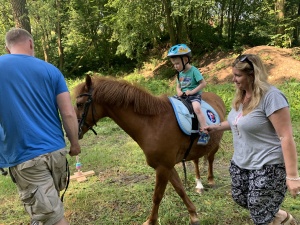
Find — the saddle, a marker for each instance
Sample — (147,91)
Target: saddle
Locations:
(186,117)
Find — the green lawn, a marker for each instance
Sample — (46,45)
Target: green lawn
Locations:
(120,192)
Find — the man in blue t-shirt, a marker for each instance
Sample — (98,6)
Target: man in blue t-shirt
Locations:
(33,98)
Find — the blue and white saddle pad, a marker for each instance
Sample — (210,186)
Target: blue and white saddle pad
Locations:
(184,117)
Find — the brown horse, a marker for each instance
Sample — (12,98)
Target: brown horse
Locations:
(151,122)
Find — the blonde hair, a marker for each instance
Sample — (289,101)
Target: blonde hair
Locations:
(253,66)
(15,36)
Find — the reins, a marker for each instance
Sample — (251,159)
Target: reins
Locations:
(81,122)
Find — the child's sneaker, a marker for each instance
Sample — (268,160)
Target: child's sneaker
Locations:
(203,139)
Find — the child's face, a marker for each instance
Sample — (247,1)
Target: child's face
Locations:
(177,63)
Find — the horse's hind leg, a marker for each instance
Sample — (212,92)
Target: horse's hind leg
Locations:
(199,187)
(210,175)
(178,186)
(162,177)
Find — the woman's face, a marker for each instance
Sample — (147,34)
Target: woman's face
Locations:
(241,79)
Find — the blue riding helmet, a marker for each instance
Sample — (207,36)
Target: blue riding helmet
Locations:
(180,50)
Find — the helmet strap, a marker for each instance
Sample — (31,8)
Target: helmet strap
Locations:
(184,64)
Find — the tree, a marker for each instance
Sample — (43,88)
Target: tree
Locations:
(169,21)
(107,35)
(136,26)
(280,9)
(20,14)
(43,17)
(61,8)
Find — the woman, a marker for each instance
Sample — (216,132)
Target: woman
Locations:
(264,161)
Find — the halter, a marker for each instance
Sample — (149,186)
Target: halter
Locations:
(82,121)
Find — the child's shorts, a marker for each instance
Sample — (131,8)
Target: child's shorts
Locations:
(195,98)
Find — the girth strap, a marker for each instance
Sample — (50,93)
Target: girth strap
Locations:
(195,126)
(192,139)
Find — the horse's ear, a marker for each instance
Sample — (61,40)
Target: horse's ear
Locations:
(88,82)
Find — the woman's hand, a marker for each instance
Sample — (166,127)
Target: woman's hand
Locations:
(294,187)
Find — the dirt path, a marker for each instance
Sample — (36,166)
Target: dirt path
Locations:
(282,64)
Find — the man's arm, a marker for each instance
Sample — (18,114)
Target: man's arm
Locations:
(69,120)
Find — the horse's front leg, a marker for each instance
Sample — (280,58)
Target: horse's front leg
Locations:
(199,187)
(178,186)
(162,177)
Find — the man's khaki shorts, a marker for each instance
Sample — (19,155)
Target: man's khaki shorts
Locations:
(39,182)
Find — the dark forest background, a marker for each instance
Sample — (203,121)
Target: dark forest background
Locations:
(118,36)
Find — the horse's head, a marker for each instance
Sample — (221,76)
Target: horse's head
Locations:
(84,107)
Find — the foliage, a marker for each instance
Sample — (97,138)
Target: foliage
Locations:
(114,36)
(134,31)
(6,21)
(89,40)
(43,23)
(291,89)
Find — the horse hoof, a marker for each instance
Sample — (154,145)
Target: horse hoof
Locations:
(148,222)
(199,190)
(211,184)
(196,223)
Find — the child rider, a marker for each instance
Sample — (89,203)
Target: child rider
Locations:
(190,83)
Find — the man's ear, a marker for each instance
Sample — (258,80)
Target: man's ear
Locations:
(7,50)
(31,44)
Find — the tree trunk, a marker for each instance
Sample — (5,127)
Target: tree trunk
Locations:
(59,36)
(180,30)
(221,21)
(20,14)
(170,27)
(297,30)
(280,9)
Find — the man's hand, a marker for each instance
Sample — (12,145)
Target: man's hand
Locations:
(74,150)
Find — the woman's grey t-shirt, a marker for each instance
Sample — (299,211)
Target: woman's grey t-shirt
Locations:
(255,140)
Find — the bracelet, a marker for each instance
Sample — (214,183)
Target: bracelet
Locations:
(288,178)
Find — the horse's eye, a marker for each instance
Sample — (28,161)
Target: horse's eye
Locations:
(79,105)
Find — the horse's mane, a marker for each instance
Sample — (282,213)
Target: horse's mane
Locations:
(121,93)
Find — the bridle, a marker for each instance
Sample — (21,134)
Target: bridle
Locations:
(82,121)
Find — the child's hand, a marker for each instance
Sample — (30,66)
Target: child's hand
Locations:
(188,92)
(179,93)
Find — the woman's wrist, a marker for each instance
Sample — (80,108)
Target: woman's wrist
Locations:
(218,126)
(293,178)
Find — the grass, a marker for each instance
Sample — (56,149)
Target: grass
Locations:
(121,191)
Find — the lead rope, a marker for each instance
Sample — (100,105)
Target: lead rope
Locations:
(68,180)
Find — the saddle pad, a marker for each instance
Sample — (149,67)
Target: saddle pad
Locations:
(184,117)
